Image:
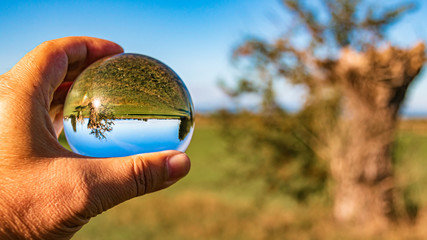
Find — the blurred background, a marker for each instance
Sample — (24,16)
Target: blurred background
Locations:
(310,114)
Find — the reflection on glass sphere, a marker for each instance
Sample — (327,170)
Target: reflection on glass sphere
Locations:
(128,104)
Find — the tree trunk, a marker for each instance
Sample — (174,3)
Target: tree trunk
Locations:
(374,84)
(362,168)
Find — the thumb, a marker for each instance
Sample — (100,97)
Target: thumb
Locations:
(114,180)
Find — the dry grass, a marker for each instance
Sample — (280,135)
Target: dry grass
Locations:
(418,126)
(205,215)
(209,204)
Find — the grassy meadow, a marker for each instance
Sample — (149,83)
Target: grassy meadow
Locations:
(212,202)
(144,85)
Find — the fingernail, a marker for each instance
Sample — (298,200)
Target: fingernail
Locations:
(178,166)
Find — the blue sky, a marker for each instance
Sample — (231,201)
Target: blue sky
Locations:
(193,37)
(127,137)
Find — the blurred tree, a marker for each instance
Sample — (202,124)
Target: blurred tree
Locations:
(355,84)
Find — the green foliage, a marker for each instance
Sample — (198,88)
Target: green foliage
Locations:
(282,147)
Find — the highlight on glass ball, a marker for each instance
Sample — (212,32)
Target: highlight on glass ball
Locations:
(128,104)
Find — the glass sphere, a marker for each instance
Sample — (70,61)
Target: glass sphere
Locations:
(128,104)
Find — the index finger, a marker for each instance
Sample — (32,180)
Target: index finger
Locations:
(43,69)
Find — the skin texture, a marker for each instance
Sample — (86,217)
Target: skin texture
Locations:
(47,192)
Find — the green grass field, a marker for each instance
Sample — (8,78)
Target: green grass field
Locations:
(214,203)
(129,84)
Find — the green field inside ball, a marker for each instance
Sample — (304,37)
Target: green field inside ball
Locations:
(139,112)
(130,86)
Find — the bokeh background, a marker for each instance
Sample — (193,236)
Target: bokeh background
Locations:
(197,38)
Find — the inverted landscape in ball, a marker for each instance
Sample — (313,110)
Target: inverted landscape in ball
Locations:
(128,104)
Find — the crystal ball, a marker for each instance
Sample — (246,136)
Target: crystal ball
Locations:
(128,104)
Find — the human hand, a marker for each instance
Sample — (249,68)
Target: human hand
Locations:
(46,191)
